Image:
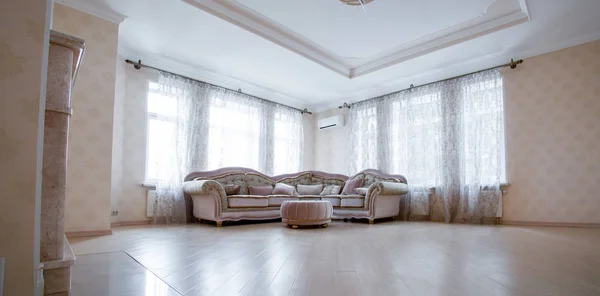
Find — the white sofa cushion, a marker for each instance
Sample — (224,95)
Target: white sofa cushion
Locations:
(352,201)
(248,201)
(277,200)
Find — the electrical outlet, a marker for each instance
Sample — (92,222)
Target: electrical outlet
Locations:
(114,213)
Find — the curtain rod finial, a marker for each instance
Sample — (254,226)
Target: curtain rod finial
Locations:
(513,64)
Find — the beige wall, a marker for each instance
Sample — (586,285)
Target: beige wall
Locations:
(23,60)
(553,137)
(91,130)
(331,146)
(132,202)
(118,138)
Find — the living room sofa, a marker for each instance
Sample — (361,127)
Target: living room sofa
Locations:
(207,197)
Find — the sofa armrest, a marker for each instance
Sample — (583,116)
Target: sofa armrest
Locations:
(391,188)
(203,187)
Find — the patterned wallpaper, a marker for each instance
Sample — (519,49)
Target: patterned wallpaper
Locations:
(118,134)
(553,137)
(23,50)
(91,129)
(132,202)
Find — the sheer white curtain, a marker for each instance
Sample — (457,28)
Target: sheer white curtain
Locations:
(210,127)
(447,138)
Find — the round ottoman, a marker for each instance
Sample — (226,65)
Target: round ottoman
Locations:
(306,212)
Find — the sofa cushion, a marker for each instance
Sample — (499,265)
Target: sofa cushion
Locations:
(335,200)
(352,201)
(331,190)
(277,200)
(248,201)
(232,189)
(310,197)
(310,189)
(351,185)
(260,190)
(284,189)
(362,190)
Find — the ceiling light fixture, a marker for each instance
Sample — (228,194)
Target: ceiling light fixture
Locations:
(361,3)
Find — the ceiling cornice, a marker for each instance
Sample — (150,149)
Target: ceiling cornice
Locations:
(97,8)
(499,15)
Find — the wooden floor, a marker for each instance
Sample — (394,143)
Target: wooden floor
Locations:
(391,258)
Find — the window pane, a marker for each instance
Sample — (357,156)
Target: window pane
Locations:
(160,136)
(286,148)
(162,105)
(234,138)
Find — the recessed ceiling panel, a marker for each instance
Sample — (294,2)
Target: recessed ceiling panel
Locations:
(356,40)
(351,32)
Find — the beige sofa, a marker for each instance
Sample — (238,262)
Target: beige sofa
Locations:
(206,198)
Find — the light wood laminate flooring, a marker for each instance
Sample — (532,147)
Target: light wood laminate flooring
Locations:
(390,258)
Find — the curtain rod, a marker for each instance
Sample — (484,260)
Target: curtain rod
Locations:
(512,64)
(138,65)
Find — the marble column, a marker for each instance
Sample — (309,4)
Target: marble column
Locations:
(55,253)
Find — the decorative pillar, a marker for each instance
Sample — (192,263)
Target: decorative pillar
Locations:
(64,57)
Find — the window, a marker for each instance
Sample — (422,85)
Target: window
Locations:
(416,127)
(483,106)
(446,133)
(287,145)
(233,135)
(366,156)
(161,115)
(233,131)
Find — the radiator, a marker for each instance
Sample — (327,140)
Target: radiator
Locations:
(150,199)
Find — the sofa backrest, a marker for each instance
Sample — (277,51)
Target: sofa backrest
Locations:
(371,176)
(318,177)
(248,177)
(225,176)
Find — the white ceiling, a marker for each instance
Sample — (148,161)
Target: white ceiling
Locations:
(349,31)
(286,51)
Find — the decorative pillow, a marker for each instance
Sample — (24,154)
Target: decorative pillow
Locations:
(331,190)
(260,190)
(351,185)
(232,189)
(362,190)
(284,189)
(310,189)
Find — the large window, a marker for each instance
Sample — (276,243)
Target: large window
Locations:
(447,133)
(234,136)
(238,132)
(162,113)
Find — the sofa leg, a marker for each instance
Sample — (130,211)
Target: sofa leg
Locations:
(324,225)
(219,223)
(295,226)
(371,221)
(199,220)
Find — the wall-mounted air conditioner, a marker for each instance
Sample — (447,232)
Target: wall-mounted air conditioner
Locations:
(331,122)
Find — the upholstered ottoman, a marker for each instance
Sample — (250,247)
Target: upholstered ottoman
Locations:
(306,212)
